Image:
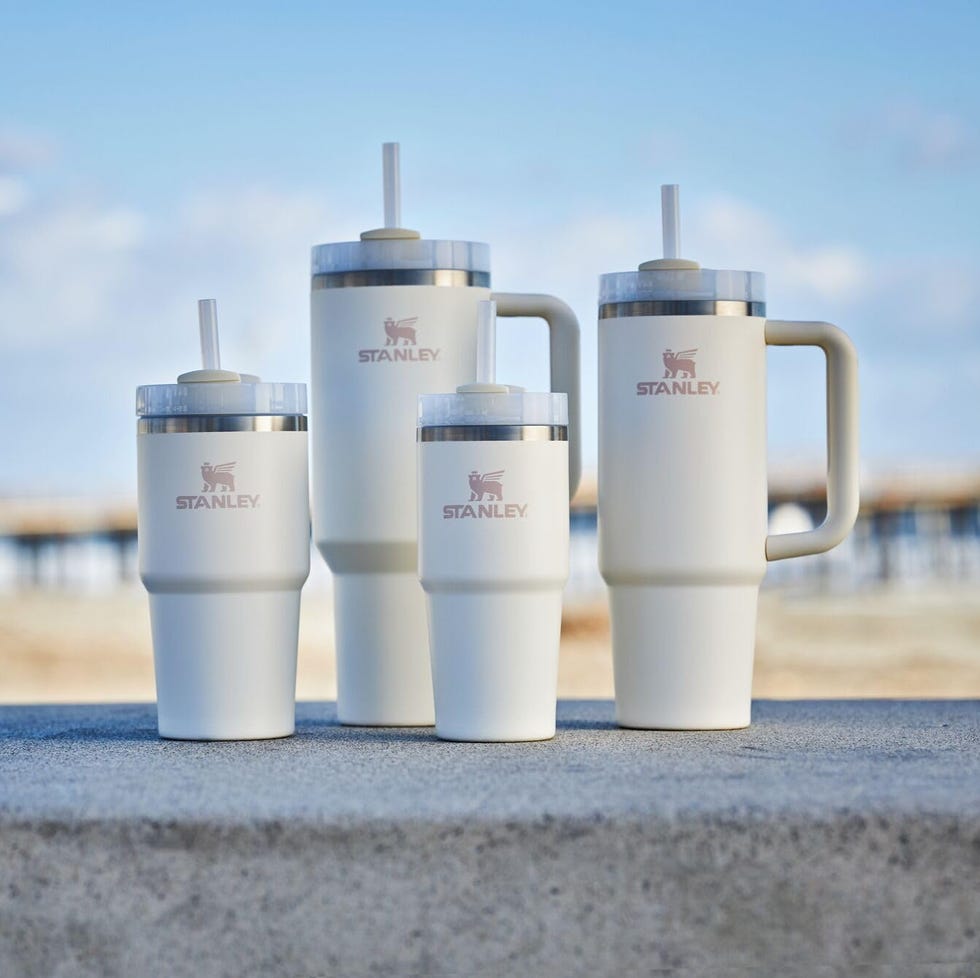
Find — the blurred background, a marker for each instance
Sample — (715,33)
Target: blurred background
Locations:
(153,155)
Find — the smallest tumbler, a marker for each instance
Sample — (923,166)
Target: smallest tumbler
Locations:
(493,553)
(224,542)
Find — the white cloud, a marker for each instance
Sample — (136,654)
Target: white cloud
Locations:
(250,250)
(916,135)
(61,266)
(734,234)
(948,302)
(21,150)
(721,232)
(83,270)
(13,195)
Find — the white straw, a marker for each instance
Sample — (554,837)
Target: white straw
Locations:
(207,317)
(670,211)
(392,185)
(486,342)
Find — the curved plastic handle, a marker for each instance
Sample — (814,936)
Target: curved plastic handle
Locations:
(842,437)
(565,374)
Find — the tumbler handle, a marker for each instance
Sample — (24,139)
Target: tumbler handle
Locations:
(842,437)
(565,378)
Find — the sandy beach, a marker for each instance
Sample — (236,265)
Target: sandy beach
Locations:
(65,647)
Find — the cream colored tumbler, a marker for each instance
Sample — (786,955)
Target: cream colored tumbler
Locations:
(224,547)
(393,316)
(493,555)
(682,480)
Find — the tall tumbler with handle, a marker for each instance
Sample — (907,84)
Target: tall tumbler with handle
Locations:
(224,546)
(682,480)
(394,316)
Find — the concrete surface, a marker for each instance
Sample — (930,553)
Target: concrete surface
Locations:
(834,837)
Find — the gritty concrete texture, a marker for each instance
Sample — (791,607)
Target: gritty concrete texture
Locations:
(835,837)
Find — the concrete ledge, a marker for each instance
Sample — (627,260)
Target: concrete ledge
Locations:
(828,838)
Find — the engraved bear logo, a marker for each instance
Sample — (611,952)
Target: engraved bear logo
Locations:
(486,484)
(403,329)
(218,475)
(682,363)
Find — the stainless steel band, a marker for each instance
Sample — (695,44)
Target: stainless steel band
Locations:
(221,422)
(494,432)
(401,276)
(681,307)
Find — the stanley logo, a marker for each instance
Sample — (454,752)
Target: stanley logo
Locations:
(489,486)
(401,343)
(218,477)
(680,377)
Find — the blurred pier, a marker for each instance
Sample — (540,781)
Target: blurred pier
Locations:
(52,542)
(912,526)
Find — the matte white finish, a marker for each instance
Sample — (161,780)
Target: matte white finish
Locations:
(843,482)
(224,583)
(494,586)
(682,508)
(363,421)
(682,478)
(225,664)
(682,655)
(495,664)
(565,357)
(365,488)
(384,677)
(363,414)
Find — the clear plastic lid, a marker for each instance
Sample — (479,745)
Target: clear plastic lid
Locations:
(220,397)
(668,284)
(212,390)
(675,279)
(387,254)
(511,406)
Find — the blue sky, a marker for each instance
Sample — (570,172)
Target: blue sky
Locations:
(153,155)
